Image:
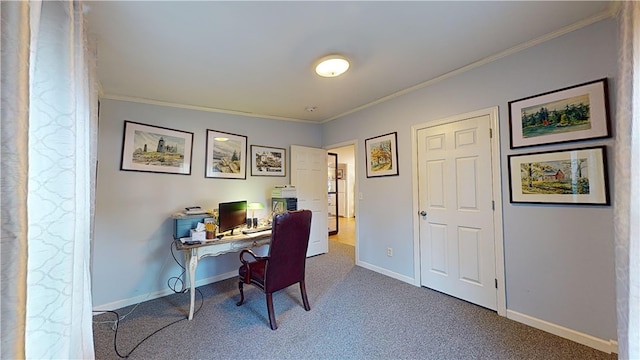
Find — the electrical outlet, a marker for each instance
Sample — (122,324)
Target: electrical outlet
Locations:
(389,252)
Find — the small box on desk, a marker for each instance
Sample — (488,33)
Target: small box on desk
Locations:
(198,235)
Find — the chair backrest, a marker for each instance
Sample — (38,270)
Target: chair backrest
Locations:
(288,249)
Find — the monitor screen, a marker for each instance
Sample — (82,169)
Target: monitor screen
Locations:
(231,215)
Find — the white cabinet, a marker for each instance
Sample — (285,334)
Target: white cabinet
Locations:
(342,203)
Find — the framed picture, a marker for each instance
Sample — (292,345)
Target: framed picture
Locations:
(268,161)
(576,176)
(575,113)
(340,174)
(382,155)
(156,149)
(226,156)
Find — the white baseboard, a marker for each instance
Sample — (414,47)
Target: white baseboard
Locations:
(607,346)
(386,272)
(158,294)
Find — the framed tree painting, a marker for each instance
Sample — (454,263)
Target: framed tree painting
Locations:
(382,155)
(577,176)
(268,161)
(156,149)
(226,155)
(575,113)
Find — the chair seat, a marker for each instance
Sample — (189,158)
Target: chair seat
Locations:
(257,271)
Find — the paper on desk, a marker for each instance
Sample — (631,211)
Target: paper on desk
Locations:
(259,233)
(200,227)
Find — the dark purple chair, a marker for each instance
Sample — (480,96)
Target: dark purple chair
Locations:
(285,263)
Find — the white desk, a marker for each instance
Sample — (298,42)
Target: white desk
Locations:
(193,254)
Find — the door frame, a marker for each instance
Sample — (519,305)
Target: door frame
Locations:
(496,175)
(356,194)
(329,153)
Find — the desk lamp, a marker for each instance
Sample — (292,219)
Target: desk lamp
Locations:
(253,207)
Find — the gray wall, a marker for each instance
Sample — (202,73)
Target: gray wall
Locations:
(131,259)
(559,259)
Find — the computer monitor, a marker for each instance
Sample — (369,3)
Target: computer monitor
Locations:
(231,215)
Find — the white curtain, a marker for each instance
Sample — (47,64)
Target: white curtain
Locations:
(48,144)
(627,182)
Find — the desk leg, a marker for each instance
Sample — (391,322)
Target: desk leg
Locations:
(191,276)
(187,281)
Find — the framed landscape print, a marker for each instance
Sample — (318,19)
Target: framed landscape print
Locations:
(226,155)
(382,155)
(576,176)
(156,149)
(575,113)
(268,161)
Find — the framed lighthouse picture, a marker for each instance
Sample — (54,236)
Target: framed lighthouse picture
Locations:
(156,149)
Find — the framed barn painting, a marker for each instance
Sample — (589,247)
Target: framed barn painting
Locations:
(156,149)
(382,155)
(577,176)
(226,155)
(575,113)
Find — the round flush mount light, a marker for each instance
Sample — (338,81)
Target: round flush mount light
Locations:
(332,66)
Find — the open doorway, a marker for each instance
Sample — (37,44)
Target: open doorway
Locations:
(346,178)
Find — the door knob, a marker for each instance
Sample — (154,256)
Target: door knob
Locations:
(423,213)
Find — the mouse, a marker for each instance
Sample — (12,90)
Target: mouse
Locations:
(219,236)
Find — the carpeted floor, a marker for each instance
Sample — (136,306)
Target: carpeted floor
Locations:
(355,314)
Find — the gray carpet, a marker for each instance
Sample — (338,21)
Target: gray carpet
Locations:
(355,314)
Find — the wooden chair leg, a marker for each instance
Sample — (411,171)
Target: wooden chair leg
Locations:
(272,316)
(305,300)
(241,293)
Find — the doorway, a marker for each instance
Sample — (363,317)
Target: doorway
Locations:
(332,193)
(345,194)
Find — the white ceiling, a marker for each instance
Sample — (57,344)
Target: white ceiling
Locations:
(257,58)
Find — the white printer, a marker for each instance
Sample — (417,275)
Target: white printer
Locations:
(284,191)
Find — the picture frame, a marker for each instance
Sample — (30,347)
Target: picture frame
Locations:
(156,149)
(340,173)
(226,155)
(268,161)
(382,155)
(574,176)
(574,113)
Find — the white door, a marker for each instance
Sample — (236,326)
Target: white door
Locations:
(455,200)
(309,176)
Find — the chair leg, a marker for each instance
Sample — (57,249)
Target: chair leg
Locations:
(305,300)
(241,293)
(272,316)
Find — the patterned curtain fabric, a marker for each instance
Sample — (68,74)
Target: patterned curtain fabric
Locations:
(13,168)
(48,143)
(627,183)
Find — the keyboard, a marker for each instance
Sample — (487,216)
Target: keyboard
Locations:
(255,230)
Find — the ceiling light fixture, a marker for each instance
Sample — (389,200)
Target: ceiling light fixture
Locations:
(332,66)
